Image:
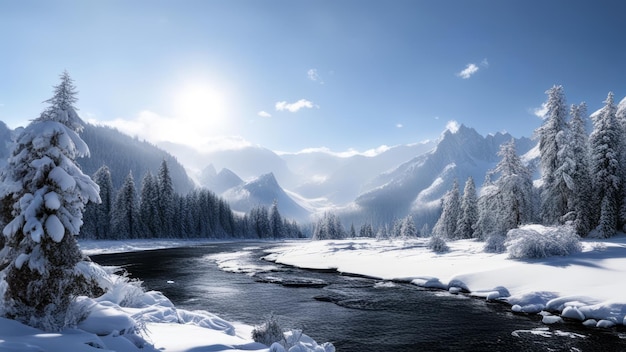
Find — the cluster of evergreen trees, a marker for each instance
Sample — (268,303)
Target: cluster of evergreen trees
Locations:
(583,179)
(156,211)
(330,227)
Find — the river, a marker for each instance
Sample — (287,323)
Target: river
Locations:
(355,314)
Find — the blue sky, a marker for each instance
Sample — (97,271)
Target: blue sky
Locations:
(290,75)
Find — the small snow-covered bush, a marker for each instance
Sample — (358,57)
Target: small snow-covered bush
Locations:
(268,332)
(495,243)
(536,241)
(438,244)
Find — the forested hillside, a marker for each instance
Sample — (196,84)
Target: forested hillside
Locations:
(122,153)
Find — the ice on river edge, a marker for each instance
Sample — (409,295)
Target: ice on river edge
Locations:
(587,286)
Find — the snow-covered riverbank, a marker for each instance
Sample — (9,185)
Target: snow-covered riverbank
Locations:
(588,286)
(128,319)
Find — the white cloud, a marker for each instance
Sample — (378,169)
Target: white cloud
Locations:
(452,126)
(469,70)
(314,76)
(541,111)
(155,128)
(399,125)
(294,107)
(264,114)
(484,63)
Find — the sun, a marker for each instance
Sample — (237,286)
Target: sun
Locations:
(201,106)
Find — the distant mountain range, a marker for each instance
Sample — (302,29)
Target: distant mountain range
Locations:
(377,189)
(400,180)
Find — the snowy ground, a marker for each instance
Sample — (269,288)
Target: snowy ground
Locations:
(127,318)
(588,286)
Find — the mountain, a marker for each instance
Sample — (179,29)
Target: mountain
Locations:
(262,191)
(340,179)
(219,182)
(417,185)
(247,162)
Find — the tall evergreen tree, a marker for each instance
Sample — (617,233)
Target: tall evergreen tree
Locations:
(605,167)
(166,200)
(125,215)
(581,201)
(446,225)
(469,211)
(408,228)
(507,202)
(149,212)
(551,142)
(49,192)
(276,221)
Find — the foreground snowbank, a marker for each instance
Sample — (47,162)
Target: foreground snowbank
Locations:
(587,286)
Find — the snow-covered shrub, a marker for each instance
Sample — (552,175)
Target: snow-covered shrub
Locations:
(268,332)
(495,243)
(438,244)
(536,241)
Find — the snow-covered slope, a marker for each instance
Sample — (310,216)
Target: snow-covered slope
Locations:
(419,183)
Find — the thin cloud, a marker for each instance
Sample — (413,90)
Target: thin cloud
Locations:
(469,71)
(472,68)
(264,114)
(399,125)
(452,126)
(541,111)
(294,107)
(314,76)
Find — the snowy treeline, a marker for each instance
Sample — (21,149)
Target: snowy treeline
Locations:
(329,227)
(156,211)
(583,180)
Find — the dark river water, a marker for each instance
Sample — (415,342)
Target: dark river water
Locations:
(355,314)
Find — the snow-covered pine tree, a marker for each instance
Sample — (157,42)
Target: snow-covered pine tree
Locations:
(352,231)
(620,115)
(49,193)
(366,230)
(408,228)
(551,139)
(581,201)
(276,221)
(469,211)
(605,167)
(516,188)
(149,212)
(506,203)
(166,200)
(396,230)
(382,233)
(446,225)
(125,215)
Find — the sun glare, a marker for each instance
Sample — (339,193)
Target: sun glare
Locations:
(199,111)
(201,104)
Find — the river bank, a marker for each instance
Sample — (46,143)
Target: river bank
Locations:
(585,286)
